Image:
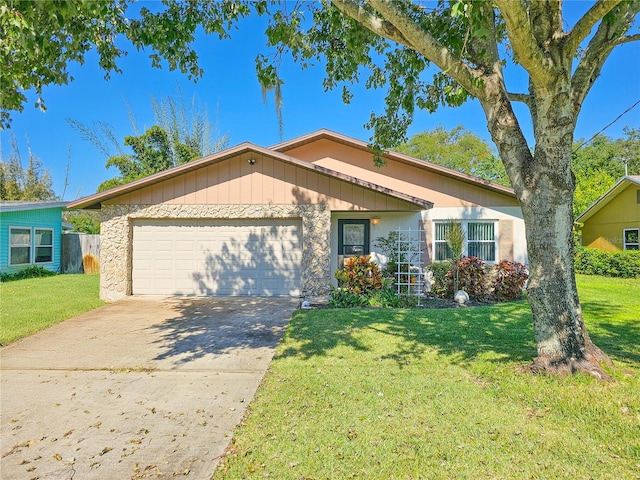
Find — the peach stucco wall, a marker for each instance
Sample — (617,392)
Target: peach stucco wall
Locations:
(604,230)
(268,181)
(440,189)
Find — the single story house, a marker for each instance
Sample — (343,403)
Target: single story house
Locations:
(277,221)
(30,234)
(612,222)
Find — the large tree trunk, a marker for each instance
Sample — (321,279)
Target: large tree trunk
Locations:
(544,185)
(561,337)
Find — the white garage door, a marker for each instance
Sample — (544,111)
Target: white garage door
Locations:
(216,257)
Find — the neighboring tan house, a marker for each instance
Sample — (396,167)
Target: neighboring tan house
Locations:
(30,234)
(275,221)
(612,222)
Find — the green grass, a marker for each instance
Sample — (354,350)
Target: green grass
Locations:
(441,394)
(30,305)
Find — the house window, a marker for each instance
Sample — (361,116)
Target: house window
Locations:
(19,246)
(43,240)
(28,245)
(480,240)
(441,248)
(631,239)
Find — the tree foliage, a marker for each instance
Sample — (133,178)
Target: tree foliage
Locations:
(182,133)
(41,39)
(457,149)
(20,183)
(152,153)
(83,221)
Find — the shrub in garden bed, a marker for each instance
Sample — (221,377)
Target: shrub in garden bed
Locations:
(509,279)
(501,282)
(362,284)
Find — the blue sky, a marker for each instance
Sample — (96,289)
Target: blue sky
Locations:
(233,97)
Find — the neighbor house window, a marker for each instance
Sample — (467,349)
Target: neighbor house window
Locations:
(19,246)
(631,239)
(480,240)
(43,244)
(27,245)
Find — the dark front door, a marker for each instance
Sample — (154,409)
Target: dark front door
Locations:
(353,239)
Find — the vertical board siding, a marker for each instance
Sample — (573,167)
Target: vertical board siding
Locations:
(41,218)
(267,182)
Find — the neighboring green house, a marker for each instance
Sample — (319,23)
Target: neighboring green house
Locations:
(30,234)
(612,222)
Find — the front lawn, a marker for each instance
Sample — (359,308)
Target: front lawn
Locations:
(440,394)
(30,305)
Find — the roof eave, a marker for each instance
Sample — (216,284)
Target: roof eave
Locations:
(32,206)
(606,197)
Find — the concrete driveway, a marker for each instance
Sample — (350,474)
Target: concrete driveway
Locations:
(139,388)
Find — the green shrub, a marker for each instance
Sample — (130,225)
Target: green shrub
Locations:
(442,285)
(29,272)
(343,298)
(508,281)
(623,264)
(384,297)
(362,284)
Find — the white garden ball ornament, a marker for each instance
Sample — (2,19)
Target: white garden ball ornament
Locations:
(461,297)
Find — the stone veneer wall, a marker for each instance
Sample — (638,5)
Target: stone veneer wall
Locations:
(117,239)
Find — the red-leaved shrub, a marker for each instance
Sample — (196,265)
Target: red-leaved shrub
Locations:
(360,275)
(510,278)
(471,277)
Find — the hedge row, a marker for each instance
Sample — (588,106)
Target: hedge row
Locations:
(623,264)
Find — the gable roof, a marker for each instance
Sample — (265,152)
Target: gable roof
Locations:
(324,134)
(94,201)
(609,195)
(20,205)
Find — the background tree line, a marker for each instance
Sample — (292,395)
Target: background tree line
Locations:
(597,164)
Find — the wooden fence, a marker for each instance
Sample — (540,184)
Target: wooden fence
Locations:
(80,253)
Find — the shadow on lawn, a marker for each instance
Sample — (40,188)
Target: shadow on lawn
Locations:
(503,331)
(618,339)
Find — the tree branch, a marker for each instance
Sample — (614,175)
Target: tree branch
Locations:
(418,39)
(520,97)
(628,39)
(583,27)
(374,23)
(525,48)
(609,34)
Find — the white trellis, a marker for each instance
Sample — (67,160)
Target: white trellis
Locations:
(409,271)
